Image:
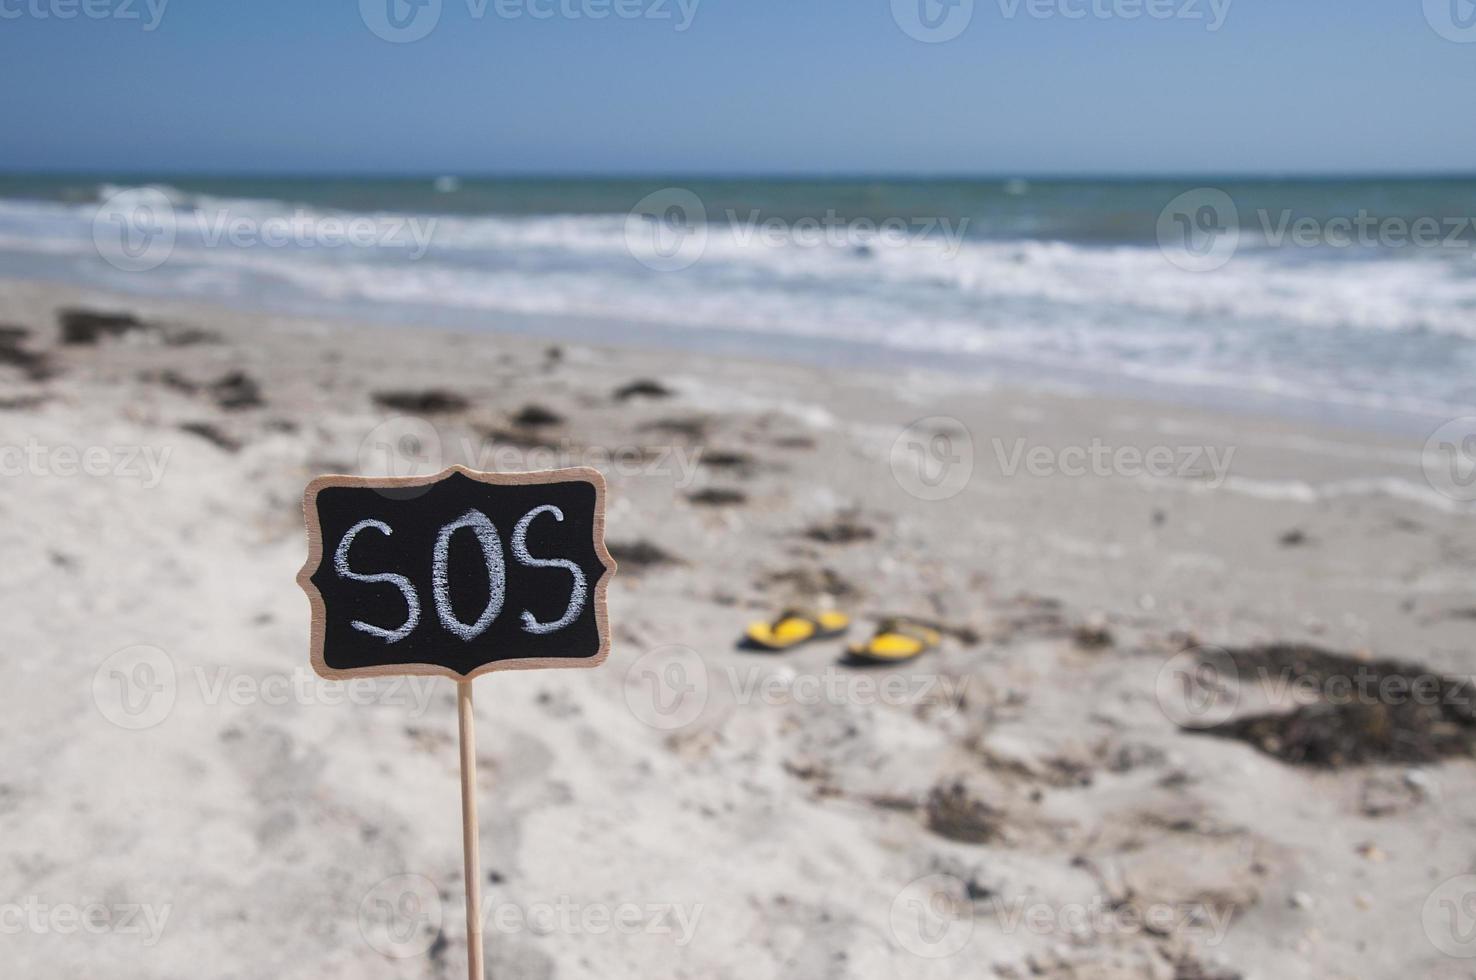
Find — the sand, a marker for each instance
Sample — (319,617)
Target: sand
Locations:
(1021,803)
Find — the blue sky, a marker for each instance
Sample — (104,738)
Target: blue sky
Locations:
(766,86)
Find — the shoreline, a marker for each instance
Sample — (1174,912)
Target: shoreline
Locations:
(1358,419)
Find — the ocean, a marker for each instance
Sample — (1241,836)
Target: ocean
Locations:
(1345,298)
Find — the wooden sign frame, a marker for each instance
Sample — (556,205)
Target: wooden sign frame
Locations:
(466,721)
(315,561)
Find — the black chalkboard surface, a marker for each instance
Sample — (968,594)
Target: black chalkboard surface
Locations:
(459,574)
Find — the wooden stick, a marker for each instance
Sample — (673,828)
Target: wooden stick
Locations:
(469,847)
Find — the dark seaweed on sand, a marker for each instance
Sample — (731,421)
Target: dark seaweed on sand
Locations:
(637,556)
(1375,711)
(809,583)
(724,459)
(432,401)
(212,434)
(688,428)
(642,388)
(231,391)
(89,326)
(718,497)
(843,530)
(35,365)
(535,417)
(954,813)
(236,390)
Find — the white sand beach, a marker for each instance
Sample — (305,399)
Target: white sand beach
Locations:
(1026,801)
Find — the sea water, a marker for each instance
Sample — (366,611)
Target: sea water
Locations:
(1345,294)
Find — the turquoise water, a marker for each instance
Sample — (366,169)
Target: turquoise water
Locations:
(1121,211)
(1357,293)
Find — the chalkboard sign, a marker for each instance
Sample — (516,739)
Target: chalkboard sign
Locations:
(459,574)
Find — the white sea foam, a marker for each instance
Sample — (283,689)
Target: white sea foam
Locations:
(1304,492)
(1376,331)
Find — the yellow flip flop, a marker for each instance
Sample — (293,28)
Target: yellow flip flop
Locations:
(897,639)
(795,626)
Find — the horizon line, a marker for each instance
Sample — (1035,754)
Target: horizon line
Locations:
(777,175)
